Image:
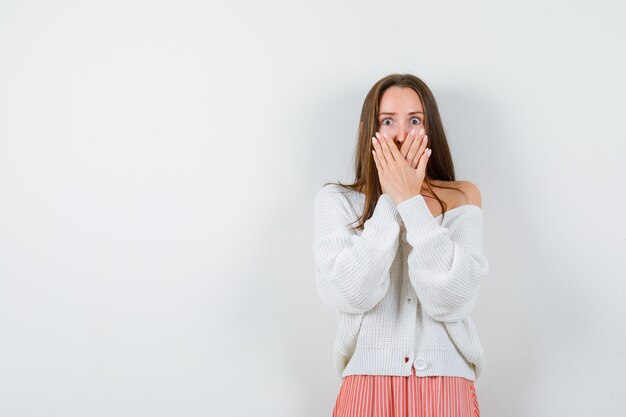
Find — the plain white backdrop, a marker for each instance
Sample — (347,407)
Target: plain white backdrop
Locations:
(158,163)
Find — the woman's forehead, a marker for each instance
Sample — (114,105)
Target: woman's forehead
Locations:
(402,100)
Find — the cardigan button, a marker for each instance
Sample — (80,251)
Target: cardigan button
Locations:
(420,364)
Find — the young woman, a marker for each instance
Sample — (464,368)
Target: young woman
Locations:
(405,278)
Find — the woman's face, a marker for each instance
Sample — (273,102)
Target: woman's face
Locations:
(400,110)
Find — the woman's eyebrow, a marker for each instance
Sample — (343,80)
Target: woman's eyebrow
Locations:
(393,114)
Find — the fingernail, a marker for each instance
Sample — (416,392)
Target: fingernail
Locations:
(377,134)
(422,131)
(412,131)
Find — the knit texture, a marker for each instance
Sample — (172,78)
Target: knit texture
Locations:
(403,287)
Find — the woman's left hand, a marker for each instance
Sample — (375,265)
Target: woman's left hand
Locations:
(397,177)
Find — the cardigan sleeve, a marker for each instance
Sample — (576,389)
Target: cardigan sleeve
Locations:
(352,270)
(446,266)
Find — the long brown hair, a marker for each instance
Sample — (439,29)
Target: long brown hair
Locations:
(440,165)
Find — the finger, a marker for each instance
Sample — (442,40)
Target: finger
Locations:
(384,154)
(416,149)
(421,169)
(383,157)
(382,163)
(391,151)
(379,168)
(395,152)
(420,150)
(406,145)
(376,160)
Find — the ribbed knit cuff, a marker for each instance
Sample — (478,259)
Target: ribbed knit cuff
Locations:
(416,215)
(386,210)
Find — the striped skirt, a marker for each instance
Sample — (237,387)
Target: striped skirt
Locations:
(406,396)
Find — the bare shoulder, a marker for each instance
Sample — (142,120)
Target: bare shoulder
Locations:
(472,191)
(454,193)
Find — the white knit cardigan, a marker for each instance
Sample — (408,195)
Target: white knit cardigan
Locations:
(403,287)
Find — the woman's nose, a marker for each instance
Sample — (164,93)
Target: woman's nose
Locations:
(401,134)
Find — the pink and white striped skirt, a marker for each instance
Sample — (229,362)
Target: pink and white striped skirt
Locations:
(406,396)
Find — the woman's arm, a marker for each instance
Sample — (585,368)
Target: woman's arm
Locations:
(352,271)
(446,266)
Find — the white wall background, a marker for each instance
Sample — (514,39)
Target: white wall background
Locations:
(158,163)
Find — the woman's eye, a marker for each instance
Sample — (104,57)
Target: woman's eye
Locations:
(416,119)
(385,122)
